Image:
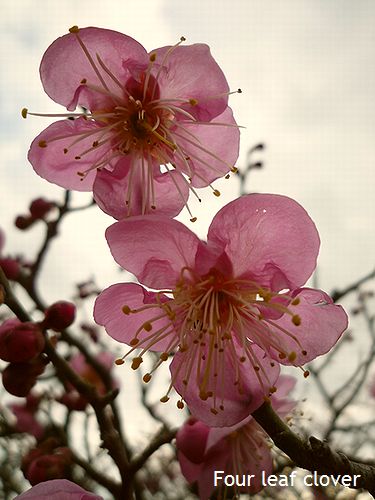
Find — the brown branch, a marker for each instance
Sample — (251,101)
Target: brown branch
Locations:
(313,454)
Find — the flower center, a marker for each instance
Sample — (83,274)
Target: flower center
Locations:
(217,321)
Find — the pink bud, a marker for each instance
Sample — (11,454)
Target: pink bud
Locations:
(40,207)
(60,315)
(11,268)
(46,467)
(191,440)
(20,378)
(21,343)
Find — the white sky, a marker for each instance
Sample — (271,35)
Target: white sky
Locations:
(306,69)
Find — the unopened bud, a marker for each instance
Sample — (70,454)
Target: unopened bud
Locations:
(60,315)
(40,207)
(21,343)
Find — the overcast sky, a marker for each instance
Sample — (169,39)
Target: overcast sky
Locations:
(307,73)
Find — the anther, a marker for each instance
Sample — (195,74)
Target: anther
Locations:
(282,355)
(273,389)
(152,57)
(119,361)
(216,192)
(74,29)
(126,309)
(306,373)
(134,342)
(193,219)
(296,301)
(147,326)
(214,411)
(227,176)
(164,356)
(182,39)
(42,144)
(164,399)
(146,378)
(234,170)
(193,102)
(239,91)
(292,356)
(296,320)
(24,112)
(180,405)
(83,81)
(65,151)
(136,362)
(304,352)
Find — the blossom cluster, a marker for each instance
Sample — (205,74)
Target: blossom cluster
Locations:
(142,131)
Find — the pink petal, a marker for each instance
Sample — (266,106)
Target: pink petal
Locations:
(212,149)
(190,72)
(154,250)
(322,324)
(61,168)
(58,489)
(269,238)
(123,327)
(111,188)
(237,406)
(65,65)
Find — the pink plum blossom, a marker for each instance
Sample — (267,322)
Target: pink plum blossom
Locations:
(153,126)
(25,415)
(57,489)
(71,398)
(229,309)
(242,449)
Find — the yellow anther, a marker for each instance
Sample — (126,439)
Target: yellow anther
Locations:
(193,101)
(126,310)
(24,112)
(193,219)
(292,356)
(164,399)
(119,361)
(273,389)
(152,57)
(134,342)
(180,405)
(216,192)
(147,377)
(136,362)
(296,301)
(147,326)
(234,170)
(74,29)
(164,356)
(42,144)
(296,320)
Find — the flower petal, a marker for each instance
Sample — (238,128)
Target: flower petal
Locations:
(154,250)
(111,188)
(269,238)
(58,489)
(322,324)
(212,149)
(51,163)
(65,65)
(190,72)
(108,312)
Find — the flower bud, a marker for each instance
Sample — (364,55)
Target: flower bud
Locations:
(20,378)
(24,222)
(11,268)
(40,207)
(60,315)
(21,343)
(191,440)
(45,468)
